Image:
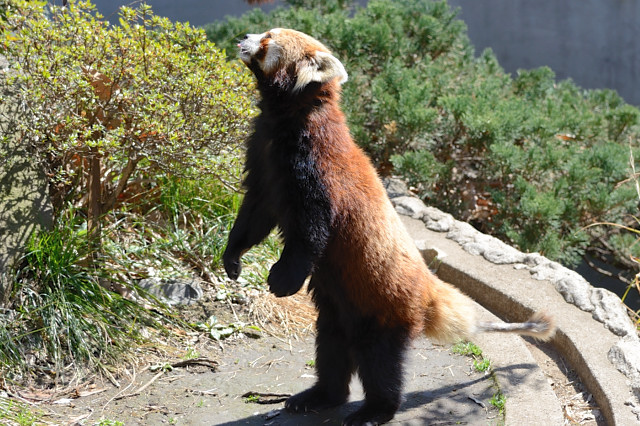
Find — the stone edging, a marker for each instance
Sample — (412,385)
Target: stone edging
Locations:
(623,344)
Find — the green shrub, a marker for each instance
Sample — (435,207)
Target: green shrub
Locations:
(62,311)
(145,120)
(110,105)
(528,159)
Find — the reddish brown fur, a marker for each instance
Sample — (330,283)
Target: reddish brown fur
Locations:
(385,274)
(306,175)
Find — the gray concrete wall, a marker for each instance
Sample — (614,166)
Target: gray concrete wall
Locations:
(197,12)
(24,200)
(596,43)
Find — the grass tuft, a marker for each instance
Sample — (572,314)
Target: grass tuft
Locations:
(498,400)
(63,311)
(71,307)
(483,365)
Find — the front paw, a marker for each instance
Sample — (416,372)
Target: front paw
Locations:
(286,279)
(232,266)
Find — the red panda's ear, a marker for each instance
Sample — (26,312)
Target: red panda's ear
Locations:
(323,67)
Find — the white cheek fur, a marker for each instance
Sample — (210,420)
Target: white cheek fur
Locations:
(272,58)
(249,46)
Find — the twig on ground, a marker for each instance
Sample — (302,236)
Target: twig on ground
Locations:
(184,363)
(143,387)
(266,398)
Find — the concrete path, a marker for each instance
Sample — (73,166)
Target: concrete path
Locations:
(440,388)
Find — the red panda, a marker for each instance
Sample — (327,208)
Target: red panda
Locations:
(305,175)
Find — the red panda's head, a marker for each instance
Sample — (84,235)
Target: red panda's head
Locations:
(283,55)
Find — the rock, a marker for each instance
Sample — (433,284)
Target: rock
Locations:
(609,309)
(409,206)
(172,291)
(502,254)
(477,243)
(633,401)
(534,259)
(625,356)
(635,388)
(571,285)
(437,220)
(395,187)
(462,233)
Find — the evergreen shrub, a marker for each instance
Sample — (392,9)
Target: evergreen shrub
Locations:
(528,158)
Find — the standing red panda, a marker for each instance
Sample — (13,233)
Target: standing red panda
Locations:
(372,289)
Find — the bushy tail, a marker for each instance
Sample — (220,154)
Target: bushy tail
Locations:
(452,317)
(540,325)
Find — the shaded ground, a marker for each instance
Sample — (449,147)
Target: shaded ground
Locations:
(446,392)
(577,403)
(441,387)
(243,380)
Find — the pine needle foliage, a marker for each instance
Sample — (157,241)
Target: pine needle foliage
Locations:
(528,158)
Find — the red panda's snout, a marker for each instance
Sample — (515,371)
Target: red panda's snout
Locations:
(248,47)
(262,49)
(283,50)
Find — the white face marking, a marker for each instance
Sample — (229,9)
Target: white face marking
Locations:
(249,46)
(266,51)
(252,43)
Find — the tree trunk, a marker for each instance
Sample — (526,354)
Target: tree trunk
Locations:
(94,212)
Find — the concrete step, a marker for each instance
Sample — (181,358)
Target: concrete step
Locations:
(513,294)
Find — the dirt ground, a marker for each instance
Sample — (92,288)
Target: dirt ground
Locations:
(244,379)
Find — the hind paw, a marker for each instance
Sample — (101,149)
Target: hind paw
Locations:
(313,399)
(370,415)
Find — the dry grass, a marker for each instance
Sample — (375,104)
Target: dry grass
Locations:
(291,316)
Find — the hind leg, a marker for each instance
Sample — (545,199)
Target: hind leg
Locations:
(334,368)
(379,355)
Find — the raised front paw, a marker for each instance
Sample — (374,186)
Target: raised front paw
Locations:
(232,265)
(286,278)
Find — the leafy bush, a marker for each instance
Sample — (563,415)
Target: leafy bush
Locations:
(63,313)
(140,129)
(110,105)
(528,159)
